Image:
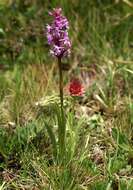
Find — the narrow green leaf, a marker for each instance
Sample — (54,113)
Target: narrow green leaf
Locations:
(52,138)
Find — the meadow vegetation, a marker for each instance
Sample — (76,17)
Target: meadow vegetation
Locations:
(99,131)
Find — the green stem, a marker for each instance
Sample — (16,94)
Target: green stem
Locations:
(60,82)
(62,126)
(73,105)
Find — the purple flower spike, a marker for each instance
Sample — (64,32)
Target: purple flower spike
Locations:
(57,34)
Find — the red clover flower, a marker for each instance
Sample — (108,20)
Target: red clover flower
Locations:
(76,88)
(57,34)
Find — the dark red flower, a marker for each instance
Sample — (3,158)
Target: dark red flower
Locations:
(76,88)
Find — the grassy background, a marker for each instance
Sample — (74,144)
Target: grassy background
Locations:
(99,139)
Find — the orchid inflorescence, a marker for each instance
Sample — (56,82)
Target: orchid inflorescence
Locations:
(57,34)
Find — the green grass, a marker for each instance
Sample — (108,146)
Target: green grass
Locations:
(99,139)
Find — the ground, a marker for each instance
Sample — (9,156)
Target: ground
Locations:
(99,138)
